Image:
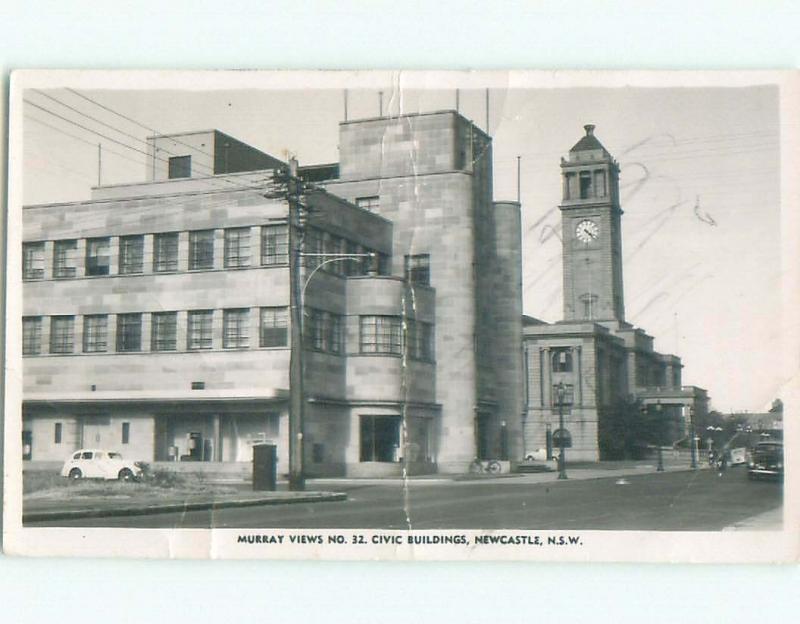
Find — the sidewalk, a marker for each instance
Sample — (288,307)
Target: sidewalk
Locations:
(45,510)
(771,520)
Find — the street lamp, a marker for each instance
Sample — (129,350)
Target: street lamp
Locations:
(660,467)
(692,439)
(562,460)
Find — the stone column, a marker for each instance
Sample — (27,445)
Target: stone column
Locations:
(576,359)
(547,379)
(217,457)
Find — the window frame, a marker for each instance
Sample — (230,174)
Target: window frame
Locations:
(369,202)
(158,339)
(236,328)
(165,252)
(33,255)
(201,250)
(64,262)
(129,322)
(241,259)
(202,323)
(131,256)
(179,167)
(95,338)
(62,339)
(31,335)
(97,263)
(417,269)
(279,314)
(274,244)
(380,334)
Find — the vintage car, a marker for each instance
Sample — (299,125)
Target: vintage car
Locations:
(100,464)
(766,461)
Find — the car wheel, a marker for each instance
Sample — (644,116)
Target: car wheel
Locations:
(75,474)
(125,475)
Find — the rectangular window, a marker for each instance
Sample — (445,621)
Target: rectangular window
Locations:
(600,183)
(237,247)
(323,331)
(126,432)
(418,269)
(163,331)
(274,327)
(569,395)
(352,266)
(95,333)
(98,256)
(131,254)
(59,429)
(381,334)
(236,329)
(585,178)
(31,335)
(64,258)
(199,334)
(62,330)
(32,261)
(165,252)
(201,250)
(180,167)
(379,438)
(274,245)
(420,340)
(129,332)
(371,203)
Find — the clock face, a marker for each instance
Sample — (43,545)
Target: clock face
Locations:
(587,231)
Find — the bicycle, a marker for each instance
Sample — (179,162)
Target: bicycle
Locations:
(490,466)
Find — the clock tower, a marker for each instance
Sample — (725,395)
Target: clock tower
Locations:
(591,233)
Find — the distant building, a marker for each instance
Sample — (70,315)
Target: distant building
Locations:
(601,360)
(156,314)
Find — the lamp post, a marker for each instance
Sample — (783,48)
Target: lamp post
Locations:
(562,460)
(692,440)
(660,467)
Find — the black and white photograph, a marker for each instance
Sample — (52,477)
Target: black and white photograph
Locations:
(437,315)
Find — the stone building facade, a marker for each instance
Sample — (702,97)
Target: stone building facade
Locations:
(156,314)
(594,357)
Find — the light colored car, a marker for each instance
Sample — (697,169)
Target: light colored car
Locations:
(100,464)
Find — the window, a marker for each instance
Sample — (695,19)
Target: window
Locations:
(62,329)
(585,180)
(165,252)
(32,261)
(27,444)
(274,327)
(352,266)
(600,183)
(237,247)
(86,455)
(420,340)
(313,245)
(381,334)
(274,245)
(95,333)
(180,167)
(31,335)
(371,203)
(199,330)
(562,361)
(64,258)
(98,256)
(57,433)
(558,434)
(126,432)
(131,254)
(201,250)
(323,331)
(379,438)
(418,269)
(163,331)
(569,395)
(589,303)
(129,332)
(235,329)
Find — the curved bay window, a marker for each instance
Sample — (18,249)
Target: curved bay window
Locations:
(558,434)
(562,360)
(381,334)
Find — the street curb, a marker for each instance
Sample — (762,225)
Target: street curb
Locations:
(40,516)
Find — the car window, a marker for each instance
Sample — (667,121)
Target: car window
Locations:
(77,455)
(114,456)
(86,455)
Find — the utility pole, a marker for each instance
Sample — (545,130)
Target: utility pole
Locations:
(296,397)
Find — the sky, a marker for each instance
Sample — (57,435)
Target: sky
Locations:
(699,182)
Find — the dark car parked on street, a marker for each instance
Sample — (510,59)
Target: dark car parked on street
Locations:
(766,461)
